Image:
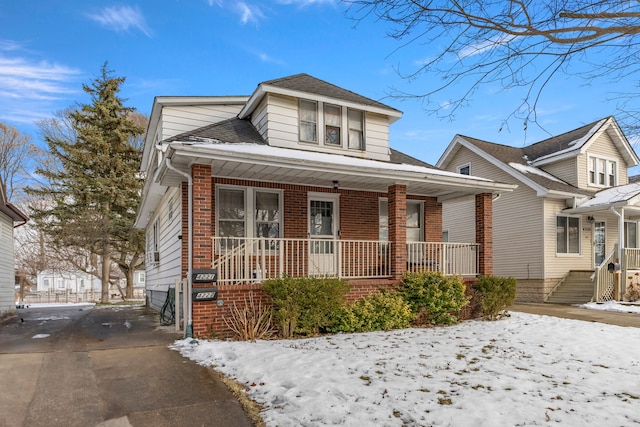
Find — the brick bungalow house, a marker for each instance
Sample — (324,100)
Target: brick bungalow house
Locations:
(299,179)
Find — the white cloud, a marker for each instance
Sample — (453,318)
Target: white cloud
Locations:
(29,89)
(122,18)
(249,13)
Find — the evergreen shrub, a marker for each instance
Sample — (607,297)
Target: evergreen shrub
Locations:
(305,305)
(497,293)
(434,297)
(376,312)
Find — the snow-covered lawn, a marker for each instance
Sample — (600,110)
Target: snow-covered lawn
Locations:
(524,370)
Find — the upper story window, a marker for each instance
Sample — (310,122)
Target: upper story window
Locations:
(465,169)
(356,129)
(336,127)
(332,122)
(308,121)
(602,172)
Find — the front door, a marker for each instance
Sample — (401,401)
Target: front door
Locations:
(599,238)
(323,234)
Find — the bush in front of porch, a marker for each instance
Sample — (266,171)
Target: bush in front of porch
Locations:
(497,293)
(376,312)
(305,305)
(435,298)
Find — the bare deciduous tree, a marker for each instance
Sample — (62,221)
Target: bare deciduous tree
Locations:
(15,151)
(512,44)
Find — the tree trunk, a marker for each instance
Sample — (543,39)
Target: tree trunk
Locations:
(130,283)
(106,270)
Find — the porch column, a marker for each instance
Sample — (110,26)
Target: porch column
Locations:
(398,229)
(484,233)
(202,216)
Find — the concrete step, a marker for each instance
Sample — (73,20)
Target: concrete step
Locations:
(577,288)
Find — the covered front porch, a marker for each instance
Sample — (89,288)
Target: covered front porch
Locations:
(616,262)
(241,260)
(260,212)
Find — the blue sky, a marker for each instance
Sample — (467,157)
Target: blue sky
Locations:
(48,49)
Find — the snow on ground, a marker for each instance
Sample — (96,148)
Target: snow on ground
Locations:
(613,306)
(525,370)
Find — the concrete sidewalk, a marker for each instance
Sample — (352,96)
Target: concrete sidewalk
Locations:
(574,312)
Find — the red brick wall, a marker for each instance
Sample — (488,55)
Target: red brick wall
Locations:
(208,317)
(484,232)
(358,220)
(202,216)
(398,230)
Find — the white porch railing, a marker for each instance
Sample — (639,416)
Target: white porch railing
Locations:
(447,258)
(248,260)
(605,281)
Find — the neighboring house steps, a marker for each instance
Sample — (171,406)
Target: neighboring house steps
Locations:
(576,288)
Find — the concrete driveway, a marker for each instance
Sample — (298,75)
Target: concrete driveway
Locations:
(84,366)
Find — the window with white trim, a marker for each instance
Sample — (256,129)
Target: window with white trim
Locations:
(465,169)
(231,212)
(414,227)
(332,124)
(249,212)
(630,234)
(568,235)
(336,127)
(356,129)
(308,121)
(602,172)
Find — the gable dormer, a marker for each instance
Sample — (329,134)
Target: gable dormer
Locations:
(305,113)
(592,157)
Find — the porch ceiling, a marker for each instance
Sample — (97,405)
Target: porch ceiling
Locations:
(269,164)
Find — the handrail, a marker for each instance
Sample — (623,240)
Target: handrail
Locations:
(604,286)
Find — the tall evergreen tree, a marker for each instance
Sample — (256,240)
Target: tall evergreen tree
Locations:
(93,182)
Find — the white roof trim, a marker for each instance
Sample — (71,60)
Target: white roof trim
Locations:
(309,160)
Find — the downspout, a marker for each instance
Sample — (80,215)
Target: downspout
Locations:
(188,333)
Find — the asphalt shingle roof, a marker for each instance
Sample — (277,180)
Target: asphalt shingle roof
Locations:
(232,131)
(522,156)
(306,83)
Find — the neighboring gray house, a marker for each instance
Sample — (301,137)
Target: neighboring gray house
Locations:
(10,217)
(573,214)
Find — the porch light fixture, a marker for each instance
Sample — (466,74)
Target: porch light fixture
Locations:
(336,185)
(590,218)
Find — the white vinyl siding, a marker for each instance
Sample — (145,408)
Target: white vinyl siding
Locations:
(179,119)
(517,221)
(7,273)
(567,170)
(281,129)
(557,265)
(603,148)
(159,276)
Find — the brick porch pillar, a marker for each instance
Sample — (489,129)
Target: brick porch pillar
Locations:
(398,229)
(202,216)
(202,255)
(484,233)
